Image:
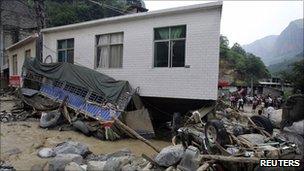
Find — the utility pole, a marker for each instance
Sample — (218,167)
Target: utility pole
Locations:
(251,86)
(40,20)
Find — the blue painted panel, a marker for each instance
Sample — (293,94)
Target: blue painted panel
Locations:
(77,102)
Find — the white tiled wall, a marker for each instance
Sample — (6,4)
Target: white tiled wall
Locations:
(202,54)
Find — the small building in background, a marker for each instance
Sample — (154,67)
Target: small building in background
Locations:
(16,54)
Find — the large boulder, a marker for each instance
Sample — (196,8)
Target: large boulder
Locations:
(169,155)
(73,167)
(117,163)
(96,165)
(61,160)
(71,147)
(46,153)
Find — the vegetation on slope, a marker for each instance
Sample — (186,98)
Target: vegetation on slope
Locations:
(295,76)
(239,65)
(284,66)
(63,12)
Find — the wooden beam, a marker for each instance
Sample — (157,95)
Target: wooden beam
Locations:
(230,158)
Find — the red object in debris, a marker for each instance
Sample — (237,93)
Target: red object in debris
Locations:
(14,80)
(223,83)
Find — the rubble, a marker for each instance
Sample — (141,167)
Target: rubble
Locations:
(60,161)
(170,155)
(96,165)
(216,136)
(70,147)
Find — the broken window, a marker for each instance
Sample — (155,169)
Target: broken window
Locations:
(109,50)
(15,65)
(65,50)
(169,46)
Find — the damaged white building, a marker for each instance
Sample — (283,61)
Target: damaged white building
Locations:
(172,55)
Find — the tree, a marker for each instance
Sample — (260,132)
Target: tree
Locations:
(295,76)
(237,48)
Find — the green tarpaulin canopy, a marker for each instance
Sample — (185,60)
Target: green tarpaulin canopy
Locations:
(80,76)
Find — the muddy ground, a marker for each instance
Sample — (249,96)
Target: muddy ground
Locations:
(21,141)
(29,138)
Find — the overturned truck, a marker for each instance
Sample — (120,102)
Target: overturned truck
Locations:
(85,91)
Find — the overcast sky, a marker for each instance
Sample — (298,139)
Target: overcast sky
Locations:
(246,21)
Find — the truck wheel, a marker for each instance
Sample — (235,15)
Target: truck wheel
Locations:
(49,119)
(216,132)
(263,122)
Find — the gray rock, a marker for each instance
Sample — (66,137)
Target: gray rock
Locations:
(46,153)
(96,165)
(120,153)
(190,160)
(71,147)
(61,160)
(169,155)
(73,167)
(116,163)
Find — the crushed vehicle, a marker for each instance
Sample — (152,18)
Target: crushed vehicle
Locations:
(69,95)
(226,132)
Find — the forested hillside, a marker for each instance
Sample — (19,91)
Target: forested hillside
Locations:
(237,66)
(62,12)
(285,65)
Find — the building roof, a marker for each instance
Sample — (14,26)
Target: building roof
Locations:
(22,42)
(142,15)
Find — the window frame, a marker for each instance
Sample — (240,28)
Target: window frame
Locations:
(170,50)
(109,46)
(66,49)
(27,51)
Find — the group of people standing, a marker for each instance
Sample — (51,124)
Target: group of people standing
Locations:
(258,102)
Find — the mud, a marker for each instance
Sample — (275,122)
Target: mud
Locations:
(29,138)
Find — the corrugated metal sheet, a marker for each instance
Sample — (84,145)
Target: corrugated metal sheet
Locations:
(77,102)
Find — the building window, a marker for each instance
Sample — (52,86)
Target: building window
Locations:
(28,53)
(65,49)
(15,65)
(109,50)
(169,46)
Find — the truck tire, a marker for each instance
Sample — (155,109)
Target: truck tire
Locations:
(49,119)
(263,122)
(216,132)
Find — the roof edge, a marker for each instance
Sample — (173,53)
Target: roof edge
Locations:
(209,5)
(22,42)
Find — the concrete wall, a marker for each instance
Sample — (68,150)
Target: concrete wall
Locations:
(20,51)
(202,53)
